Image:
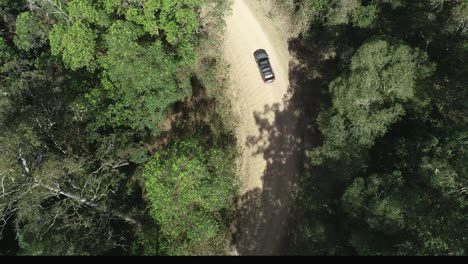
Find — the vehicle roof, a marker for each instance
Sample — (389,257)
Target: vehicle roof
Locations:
(260,54)
(265,67)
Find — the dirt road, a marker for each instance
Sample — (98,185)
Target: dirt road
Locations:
(269,163)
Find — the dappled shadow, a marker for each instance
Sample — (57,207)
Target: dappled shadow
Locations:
(264,215)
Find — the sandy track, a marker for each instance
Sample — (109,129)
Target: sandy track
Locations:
(268,166)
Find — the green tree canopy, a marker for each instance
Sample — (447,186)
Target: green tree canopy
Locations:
(384,80)
(189,187)
(31,33)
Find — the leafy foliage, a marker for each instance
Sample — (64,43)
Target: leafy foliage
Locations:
(31,33)
(76,44)
(384,79)
(389,175)
(88,91)
(190,189)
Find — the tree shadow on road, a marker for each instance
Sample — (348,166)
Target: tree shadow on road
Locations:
(264,215)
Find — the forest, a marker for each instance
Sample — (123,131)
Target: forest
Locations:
(386,171)
(101,138)
(117,136)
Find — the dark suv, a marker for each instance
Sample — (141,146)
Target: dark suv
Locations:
(261,57)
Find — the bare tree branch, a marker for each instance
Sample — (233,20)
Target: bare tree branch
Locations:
(51,225)
(58,191)
(90,204)
(3,187)
(49,134)
(110,165)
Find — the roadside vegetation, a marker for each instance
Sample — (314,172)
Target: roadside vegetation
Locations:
(387,134)
(113,131)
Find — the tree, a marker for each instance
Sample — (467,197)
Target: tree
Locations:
(76,44)
(189,188)
(139,83)
(52,176)
(85,90)
(389,137)
(384,79)
(31,33)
